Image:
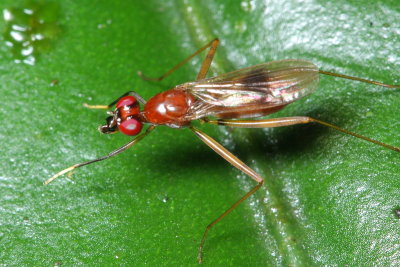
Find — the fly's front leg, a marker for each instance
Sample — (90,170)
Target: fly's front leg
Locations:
(204,68)
(132,93)
(232,159)
(279,122)
(109,155)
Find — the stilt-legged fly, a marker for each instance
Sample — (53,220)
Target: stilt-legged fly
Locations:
(232,98)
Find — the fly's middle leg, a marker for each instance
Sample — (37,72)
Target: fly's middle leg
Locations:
(232,159)
(203,70)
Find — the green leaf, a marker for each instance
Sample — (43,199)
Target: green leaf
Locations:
(328,199)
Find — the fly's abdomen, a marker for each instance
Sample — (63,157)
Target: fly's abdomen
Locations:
(291,79)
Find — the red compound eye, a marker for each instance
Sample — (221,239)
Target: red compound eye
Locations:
(130,127)
(126,101)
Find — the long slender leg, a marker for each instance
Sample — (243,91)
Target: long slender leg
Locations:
(207,61)
(279,122)
(132,93)
(113,153)
(213,46)
(358,79)
(232,159)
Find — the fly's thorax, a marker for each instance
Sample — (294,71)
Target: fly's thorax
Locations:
(169,108)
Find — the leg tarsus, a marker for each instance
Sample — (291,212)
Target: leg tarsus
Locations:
(146,78)
(359,79)
(203,239)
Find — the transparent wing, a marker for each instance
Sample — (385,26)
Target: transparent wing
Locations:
(253,91)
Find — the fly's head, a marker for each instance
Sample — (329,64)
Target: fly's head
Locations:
(126,118)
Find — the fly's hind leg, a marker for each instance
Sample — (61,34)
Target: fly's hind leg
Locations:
(286,121)
(276,122)
(394,86)
(132,93)
(203,70)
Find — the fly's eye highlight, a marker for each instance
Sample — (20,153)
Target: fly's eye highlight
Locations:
(130,127)
(126,101)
